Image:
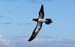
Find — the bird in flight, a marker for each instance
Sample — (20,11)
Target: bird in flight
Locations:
(40,20)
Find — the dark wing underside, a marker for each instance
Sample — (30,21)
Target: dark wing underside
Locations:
(36,31)
(41,12)
(39,24)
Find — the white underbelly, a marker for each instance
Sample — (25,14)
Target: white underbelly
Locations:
(41,20)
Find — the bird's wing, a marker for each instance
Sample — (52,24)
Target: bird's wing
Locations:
(36,31)
(41,12)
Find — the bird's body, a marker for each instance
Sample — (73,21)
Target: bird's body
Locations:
(39,21)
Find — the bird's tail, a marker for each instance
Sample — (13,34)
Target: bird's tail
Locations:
(48,21)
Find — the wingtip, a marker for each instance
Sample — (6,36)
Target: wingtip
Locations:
(30,39)
(34,34)
(41,4)
(41,9)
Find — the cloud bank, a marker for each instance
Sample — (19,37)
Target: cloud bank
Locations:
(22,41)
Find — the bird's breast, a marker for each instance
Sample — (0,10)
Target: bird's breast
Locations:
(41,20)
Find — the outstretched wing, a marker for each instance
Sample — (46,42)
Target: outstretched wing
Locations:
(36,31)
(41,12)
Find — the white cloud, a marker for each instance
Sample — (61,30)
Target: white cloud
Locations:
(4,41)
(22,41)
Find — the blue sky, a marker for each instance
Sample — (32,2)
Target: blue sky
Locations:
(16,18)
